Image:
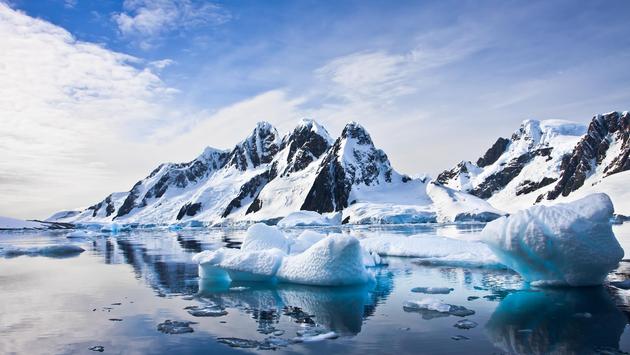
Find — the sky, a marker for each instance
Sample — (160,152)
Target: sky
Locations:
(95,94)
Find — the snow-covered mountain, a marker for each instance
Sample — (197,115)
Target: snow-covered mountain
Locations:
(545,160)
(266,177)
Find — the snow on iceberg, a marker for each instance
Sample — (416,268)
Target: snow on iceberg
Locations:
(237,265)
(434,250)
(263,237)
(456,206)
(333,261)
(305,240)
(564,244)
(310,219)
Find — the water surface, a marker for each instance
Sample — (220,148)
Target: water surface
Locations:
(117,292)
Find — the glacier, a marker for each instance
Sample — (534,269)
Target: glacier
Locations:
(568,244)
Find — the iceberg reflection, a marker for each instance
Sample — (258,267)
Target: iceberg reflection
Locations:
(340,309)
(557,321)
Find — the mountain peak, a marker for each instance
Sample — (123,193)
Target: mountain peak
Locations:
(354,130)
(258,148)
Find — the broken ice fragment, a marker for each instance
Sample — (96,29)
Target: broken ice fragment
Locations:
(206,311)
(459,337)
(432,290)
(465,324)
(175,327)
(239,343)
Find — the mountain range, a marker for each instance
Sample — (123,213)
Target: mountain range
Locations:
(266,177)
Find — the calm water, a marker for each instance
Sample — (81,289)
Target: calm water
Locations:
(116,293)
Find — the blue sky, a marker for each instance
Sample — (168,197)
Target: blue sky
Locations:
(435,82)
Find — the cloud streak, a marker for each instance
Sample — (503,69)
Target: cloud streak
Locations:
(146,21)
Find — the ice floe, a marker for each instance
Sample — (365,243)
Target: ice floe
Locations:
(434,250)
(432,290)
(433,308)
(175,327)
(51,251)
(309,219)
(564,244)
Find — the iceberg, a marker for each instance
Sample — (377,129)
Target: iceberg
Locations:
(564,244)
(309,219)
(333,261)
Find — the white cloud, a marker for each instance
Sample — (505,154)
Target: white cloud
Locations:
(66,109)
(145,21)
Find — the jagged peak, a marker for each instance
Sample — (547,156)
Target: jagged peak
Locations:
(354,130)
(257,148)
(313,126)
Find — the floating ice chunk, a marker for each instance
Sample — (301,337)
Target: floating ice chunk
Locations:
(428,305)
(434,250)
(465,324)
(314,338)
(459,337)
(206,311)
(262,237)
(309,219)
(239,343)
(564,244)
(305,240)
(432,290)
(333,261)
(51,251)
(240,265)
(175,327)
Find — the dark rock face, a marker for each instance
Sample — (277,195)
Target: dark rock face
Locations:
(174,176)
(447,175)
(529,186)
(189,209)
(109,207)
(305,146)
(592,150)
(250,190)
(259,148)
(500,179)
(494,152)
(334,180)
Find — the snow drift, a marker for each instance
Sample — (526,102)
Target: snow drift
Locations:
(565,244)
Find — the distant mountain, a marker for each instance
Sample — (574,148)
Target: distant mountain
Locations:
(267,176)
(545,160)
